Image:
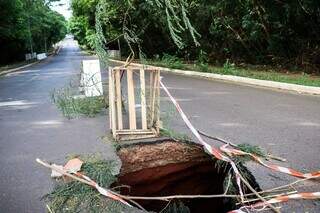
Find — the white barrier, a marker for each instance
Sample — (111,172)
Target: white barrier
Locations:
(41,56)
(30,56)
(91,78)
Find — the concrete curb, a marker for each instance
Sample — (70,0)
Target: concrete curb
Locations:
(18,68)
(242,80)
(28,65)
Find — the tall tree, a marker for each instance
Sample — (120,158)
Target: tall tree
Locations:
(27,25)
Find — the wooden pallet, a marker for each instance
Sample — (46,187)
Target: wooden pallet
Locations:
(150,114)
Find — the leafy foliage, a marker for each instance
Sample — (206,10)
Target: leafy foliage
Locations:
(252,31)
(176,207)
(265,31)
(72,106)
(28,25)
(75,196)
(256,150)
(122,23)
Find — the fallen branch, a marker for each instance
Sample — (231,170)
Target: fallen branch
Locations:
(214,151)
(88,181)
(258,195)
(268,196)
(166,198)
(236,145)
(216,138)
(289,185)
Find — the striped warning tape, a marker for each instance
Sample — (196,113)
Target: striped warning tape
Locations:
(211,149)
(101,190)
(285,198)
(232,151)
(281,199)
(219,154)
(72,173)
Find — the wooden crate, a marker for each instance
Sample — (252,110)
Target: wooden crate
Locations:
(148,95)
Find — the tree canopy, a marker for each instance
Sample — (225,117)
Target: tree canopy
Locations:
(246,31)
(28,25)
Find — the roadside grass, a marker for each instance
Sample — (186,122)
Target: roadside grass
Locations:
(73,106)
(70,196)
(170,133)
(230,69)
(74,196)
(168,115)
(252,149)
(16,65)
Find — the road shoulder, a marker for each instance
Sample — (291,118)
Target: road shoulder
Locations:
(236,79)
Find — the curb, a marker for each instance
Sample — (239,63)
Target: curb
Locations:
(18,68)
(236,79)
(56,52)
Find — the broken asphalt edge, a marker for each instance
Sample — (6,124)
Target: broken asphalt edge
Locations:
(236,79)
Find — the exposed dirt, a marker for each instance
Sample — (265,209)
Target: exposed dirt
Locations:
(149,155)
(172,168)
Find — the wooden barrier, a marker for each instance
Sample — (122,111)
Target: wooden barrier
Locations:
(126,122)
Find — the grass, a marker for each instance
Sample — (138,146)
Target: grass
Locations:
(252,149)
(176,207)
(75,196)
(168,115)
(16,65)
(174,135)
(256,150)
(72,106)
(230,69)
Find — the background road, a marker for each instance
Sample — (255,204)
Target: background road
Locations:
(282,123)
(32,127)
(286,124)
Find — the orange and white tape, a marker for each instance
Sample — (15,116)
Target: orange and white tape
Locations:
(101,190)
(209,148)
(280,199)
(219,154)
(285,198)
(232,151)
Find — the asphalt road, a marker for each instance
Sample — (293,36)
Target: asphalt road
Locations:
(286,124)
(282,123)
(31,127)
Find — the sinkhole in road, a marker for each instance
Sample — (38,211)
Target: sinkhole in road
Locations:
(167,167)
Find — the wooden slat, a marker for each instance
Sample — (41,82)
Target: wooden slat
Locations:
(154,93)
(134,137)
(134,131)
(131,100)
(151,106)
(118,98)
(158,102)
(143,100)
(112,102)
